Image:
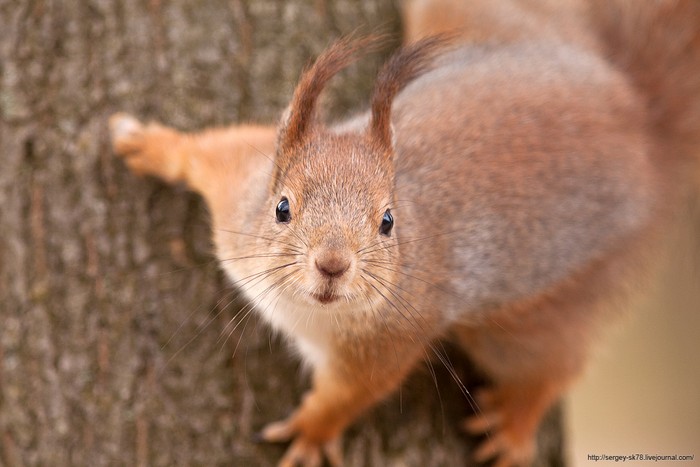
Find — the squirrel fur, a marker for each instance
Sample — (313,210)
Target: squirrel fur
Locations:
(506,192)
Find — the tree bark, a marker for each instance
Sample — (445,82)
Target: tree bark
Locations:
(118,343)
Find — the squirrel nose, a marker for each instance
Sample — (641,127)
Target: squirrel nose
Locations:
(332,265)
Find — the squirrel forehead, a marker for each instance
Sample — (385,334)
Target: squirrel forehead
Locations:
(341,166)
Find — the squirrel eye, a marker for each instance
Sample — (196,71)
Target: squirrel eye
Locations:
(282,213)
(387,223)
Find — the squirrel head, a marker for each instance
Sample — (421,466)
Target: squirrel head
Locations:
(331,193)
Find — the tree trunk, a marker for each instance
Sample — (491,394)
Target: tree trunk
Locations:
(118,343)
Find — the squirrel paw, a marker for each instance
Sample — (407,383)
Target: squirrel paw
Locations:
(303,452)
(505,422)
(146,149)
(123,126)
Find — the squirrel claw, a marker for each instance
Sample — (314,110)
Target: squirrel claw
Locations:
(277,432)
(123,126)
(127,134)
(506,442)
(486,419)
(303,454)
(303,451)
(504,452)
(481,423)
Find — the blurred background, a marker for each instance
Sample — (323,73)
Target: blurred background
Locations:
(117,344)
(642,392)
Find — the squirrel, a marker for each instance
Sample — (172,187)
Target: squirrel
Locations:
(506,190)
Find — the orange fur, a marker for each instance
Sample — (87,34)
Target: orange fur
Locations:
(530,173)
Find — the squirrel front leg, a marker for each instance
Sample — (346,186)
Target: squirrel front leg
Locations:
(241,152)
(343,387)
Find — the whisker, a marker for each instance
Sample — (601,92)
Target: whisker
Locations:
(200,329)
(372,245)
(433,375)
(405,303)
(297,236)
(409,240)
(245,234)
(394,306)
(253,304)
(262,255)
(259,276)
(246,280)
(191,314)
(293,232)
(188,268)
(295,279)
(396,354)
(378,264)
(250,307)
(262,153)
(443,357)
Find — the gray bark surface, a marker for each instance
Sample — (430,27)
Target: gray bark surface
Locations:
(118,343)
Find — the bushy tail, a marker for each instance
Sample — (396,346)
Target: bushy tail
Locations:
(657,43)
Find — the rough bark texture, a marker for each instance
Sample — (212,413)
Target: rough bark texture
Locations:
(115,341)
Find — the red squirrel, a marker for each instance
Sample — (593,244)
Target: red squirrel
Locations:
(506,192)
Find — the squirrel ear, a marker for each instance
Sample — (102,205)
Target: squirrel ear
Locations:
(301,112)
(402,68)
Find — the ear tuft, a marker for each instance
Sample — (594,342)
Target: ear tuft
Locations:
(301,112)
(402,68)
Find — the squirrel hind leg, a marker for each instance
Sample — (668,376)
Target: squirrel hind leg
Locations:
(508,417)
(530,363)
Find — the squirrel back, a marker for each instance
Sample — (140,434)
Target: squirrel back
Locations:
(655,43)
(533,156)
